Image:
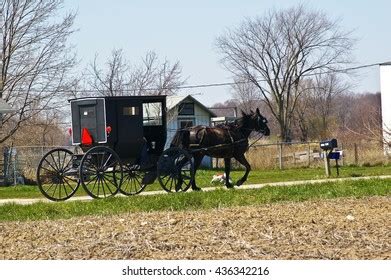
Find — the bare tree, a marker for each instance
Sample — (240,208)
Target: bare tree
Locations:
(317,107)
(111,81)
(151,77)
(246,93)
(276,51)
(365,121)
(35,58)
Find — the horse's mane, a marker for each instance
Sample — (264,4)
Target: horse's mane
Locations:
(233,125)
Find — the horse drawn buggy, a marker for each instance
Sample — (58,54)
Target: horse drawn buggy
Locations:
(121,143)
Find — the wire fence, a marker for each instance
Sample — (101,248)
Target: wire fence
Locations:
(308,154)
(18,165)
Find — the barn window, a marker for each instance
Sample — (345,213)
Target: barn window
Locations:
(152,114)
(131,111)
(186,123)
(186,109)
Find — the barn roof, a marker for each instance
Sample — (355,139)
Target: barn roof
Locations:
(175,100)
(5,108)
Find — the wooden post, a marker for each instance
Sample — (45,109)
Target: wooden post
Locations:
(280,156)
(355,154)
(326,163)
(309,154)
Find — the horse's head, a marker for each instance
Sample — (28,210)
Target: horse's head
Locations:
(258,122)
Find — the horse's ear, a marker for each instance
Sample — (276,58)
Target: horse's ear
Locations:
(258,113)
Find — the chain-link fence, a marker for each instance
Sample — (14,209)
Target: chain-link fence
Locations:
(19,164)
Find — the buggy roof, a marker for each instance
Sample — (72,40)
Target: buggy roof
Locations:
(144,98)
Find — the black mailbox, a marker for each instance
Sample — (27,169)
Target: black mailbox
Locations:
(328,145)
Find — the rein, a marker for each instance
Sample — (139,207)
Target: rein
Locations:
(253,143)
(228,144)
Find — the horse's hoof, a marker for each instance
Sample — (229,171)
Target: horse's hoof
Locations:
(239,183)
(230,186)
(196,189)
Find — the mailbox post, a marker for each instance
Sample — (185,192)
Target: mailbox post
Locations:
(328,146)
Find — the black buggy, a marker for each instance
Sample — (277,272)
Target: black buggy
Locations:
(122,143)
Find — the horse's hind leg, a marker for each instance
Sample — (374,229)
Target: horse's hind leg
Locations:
(197,162)
(227,164)
(242,160)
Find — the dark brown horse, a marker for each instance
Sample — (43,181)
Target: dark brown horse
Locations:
(223,141)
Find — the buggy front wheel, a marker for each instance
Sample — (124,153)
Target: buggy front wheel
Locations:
(100,172)
(133,180)
(175,170)
(56,177)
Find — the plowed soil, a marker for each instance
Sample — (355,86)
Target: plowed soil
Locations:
(326,229)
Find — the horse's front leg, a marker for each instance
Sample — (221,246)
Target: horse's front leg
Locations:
(242,160)
(227,163)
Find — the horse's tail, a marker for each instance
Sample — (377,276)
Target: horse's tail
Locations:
(181,139)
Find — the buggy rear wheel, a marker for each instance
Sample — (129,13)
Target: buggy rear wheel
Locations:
(57,179)
(175,170)
(100,172)
(133,180)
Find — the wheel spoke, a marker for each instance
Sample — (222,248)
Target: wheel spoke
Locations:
(102,159)
(51,165)
(71,179)
(108,179)
(92,179)
(51,186)
(55,189)
(185,176)
(167,182)
(59,160)
(172,181)
(106,162)
(55,163)
(109,187)
(102,183)
(65,165)
(94,186)
(65,189)
(59,189)
(73,189)
(98,185)
(48,170)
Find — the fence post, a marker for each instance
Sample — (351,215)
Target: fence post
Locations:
(14,167)
(280,156)
(326,163)
(309,154)
(355,154)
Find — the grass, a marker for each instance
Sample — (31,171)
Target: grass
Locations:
(196,200)
(255,177)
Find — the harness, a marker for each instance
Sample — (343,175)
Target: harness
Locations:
(199,136)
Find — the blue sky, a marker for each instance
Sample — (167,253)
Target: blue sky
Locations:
(186,31)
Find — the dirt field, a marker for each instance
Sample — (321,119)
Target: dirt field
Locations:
(332,229)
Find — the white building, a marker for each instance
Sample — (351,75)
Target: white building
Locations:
(186,111)
(5,108)
(385,89)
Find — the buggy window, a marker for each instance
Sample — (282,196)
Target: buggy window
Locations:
(152,114)
(131,111)
(88,112)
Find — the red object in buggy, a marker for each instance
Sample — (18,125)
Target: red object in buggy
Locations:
(86,138)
